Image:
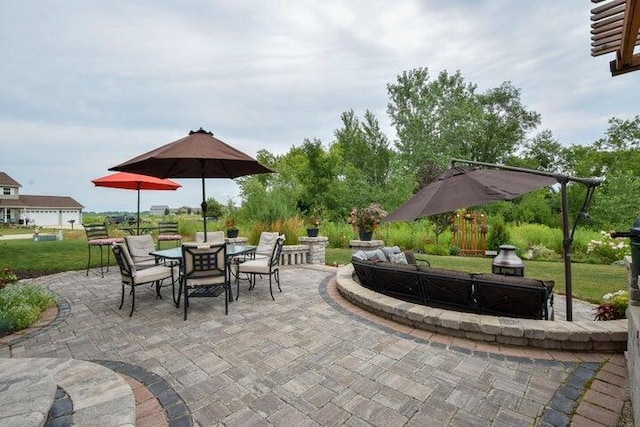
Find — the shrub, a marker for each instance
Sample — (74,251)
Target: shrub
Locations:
(608,248)
(442,250)
(498,234)
(7,277)
(21,305)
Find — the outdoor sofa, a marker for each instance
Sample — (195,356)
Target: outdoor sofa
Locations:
(492,294)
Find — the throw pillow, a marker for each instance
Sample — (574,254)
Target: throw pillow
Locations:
(411,258)
(360,255)
(376,255)
(390,250)
(398,258)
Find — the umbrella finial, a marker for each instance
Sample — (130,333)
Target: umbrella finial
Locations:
(191,132)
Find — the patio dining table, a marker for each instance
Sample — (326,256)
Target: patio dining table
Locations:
(234,250)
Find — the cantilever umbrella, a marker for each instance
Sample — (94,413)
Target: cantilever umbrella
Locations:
(133,181)
(463,187)
(197,155)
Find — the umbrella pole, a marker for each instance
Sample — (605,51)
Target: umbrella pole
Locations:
(138,217)
(567,244)
(203,206)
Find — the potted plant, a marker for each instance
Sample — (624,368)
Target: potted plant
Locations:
(367,219)
(313,223)
(230,227)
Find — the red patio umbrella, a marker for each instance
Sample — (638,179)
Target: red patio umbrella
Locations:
(134,181)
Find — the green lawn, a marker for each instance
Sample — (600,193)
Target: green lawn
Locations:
(590,281)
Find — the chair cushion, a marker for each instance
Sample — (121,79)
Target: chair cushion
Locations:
(100,242)
(169,237)
(154,273)
(258,266)
(205,281)
(212,236)
(266,243)
(139,249)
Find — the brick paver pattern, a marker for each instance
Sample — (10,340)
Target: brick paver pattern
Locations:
(300,360)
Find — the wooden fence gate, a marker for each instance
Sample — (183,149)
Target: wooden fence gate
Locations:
(470,233)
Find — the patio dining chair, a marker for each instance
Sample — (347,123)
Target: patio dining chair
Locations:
(98,236)
(132,277)
(204,273)
(168,232)
(261,266)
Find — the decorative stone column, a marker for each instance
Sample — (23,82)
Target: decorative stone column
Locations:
(365,245)
(316,247)
(634,292)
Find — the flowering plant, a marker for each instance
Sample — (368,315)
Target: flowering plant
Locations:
(608,248)
(614,306)
(229,223)
(314,220)
(7,276)
(366,219)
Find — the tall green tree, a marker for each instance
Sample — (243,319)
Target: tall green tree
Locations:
(445,118)
(363,145)
(431,117)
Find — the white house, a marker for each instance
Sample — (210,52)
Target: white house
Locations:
(43,211)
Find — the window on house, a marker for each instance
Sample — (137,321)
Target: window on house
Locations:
(6,191)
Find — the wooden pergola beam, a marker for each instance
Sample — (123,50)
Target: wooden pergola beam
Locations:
(616,28)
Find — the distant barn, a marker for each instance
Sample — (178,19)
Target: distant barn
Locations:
(158,210)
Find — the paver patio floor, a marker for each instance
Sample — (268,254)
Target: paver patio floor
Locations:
(305,360)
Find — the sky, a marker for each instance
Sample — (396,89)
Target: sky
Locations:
(86,85)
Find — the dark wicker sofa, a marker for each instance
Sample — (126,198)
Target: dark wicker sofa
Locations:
(493,294)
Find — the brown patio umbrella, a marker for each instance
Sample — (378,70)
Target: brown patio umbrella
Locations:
(463,187)
(134,181)
(197,155)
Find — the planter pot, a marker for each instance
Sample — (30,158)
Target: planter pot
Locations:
(366,235)
(232,234)
(312,232)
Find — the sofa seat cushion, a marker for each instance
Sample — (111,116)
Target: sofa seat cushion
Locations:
(515,280)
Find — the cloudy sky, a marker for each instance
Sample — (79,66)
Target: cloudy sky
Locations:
(86,85)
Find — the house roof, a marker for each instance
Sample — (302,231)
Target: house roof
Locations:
(616,28)
(7,181)
(42,202)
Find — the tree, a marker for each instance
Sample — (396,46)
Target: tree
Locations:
(542,152)
(431,118)
(445,118)
(214,208)
(502,124)
(363,145)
